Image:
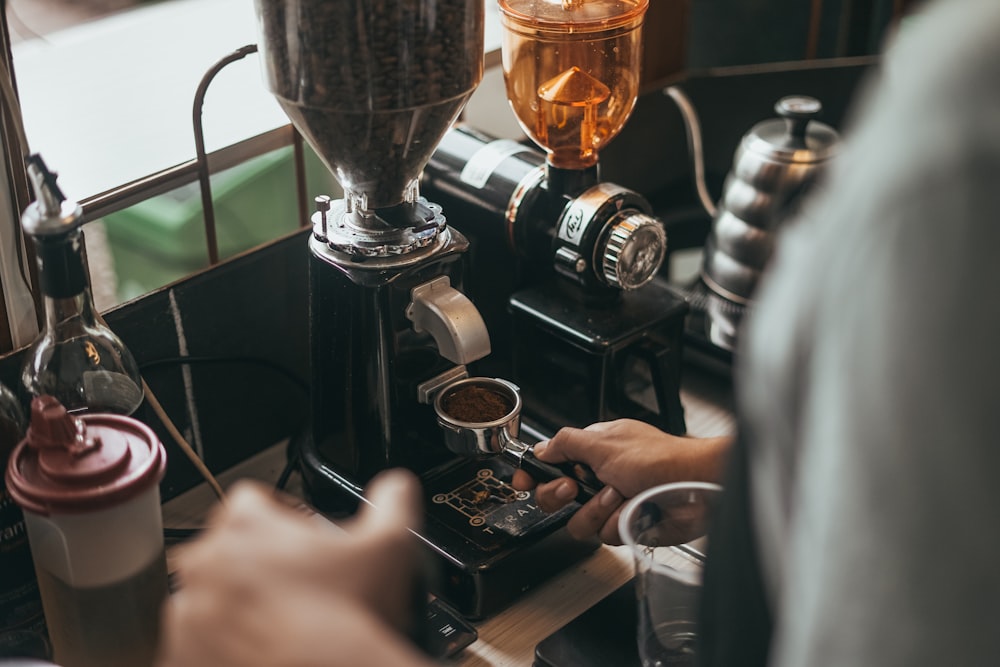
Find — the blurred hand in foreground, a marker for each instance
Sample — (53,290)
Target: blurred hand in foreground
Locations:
(269,585)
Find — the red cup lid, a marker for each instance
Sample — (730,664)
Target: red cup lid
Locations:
(70,464)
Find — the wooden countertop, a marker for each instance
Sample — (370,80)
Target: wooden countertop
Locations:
(507,639)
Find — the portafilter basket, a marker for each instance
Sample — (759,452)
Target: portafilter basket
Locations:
(481,417)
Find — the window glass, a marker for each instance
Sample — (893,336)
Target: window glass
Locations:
(109,101)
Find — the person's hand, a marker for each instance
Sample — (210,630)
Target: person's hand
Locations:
(268,585)
(628,456)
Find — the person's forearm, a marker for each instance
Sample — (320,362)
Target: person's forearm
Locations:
(703,461)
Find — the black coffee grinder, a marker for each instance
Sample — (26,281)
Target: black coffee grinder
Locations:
(565,265)
(373,87)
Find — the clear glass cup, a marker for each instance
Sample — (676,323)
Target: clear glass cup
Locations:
(665,528)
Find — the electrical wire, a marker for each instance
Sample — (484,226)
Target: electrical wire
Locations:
(294,457)
(693,127)
(259,361)
(286,473)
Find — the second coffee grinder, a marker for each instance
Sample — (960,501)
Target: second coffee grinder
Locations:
(373,87)
(566,264)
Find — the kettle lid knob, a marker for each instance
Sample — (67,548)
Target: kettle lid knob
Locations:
(797,136)
(798,110)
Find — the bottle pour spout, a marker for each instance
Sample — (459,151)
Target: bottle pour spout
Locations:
(51,213)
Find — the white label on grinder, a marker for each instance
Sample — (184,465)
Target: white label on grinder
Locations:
(480,166)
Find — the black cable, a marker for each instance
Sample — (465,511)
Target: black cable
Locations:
(286,472)
(293,445)
(294,449)
(180,534)
(258,361)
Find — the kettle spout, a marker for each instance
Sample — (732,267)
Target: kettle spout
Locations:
(451,318)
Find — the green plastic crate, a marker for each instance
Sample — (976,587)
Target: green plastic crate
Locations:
(162,239)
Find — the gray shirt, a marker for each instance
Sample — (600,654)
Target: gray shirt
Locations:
(871,376)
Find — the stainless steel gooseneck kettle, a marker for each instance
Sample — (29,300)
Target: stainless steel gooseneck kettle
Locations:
(776,162)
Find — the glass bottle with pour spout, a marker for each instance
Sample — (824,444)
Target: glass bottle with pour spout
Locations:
(76,357)
(571,69)
(89,489)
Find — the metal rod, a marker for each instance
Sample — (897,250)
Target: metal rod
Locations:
(202,159)
(300,178)
(815,20)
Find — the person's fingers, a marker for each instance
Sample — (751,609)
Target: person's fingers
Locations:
(553,496)
(190,627)
(246,502)
(395,503)
(683,524)
(247,507)
(568,444)
(609,531)
(589,520)
(389,568)
(554,449)
(522,481)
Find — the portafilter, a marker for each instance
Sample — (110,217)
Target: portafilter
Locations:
(481,417)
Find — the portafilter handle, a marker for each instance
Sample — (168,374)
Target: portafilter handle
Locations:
(522,456)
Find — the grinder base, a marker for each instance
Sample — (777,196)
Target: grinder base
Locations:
(578,362)
(489,543)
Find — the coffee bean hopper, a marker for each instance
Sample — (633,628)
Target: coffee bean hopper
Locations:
(372,87)
(564,264)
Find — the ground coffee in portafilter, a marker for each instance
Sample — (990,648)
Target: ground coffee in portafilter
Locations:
(373,86)
(476,405)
